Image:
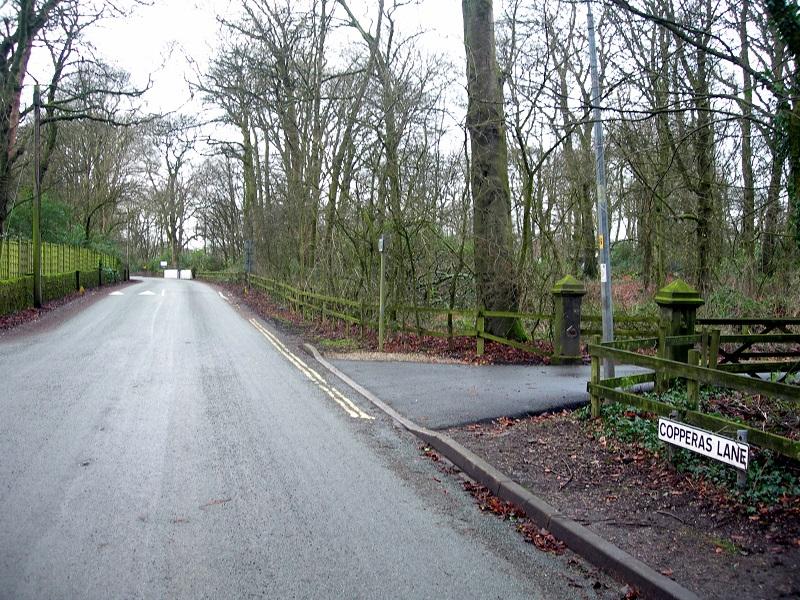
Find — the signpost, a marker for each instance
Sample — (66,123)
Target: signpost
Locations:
(248,256)
(248,263)
(726,450)
(163,264)
(381,327)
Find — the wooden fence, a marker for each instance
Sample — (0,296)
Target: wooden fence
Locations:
(720,359)
(16,258)
(714,359)
(430,321)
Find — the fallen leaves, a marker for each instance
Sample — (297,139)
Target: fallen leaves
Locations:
(431,453)
(490,503)
(539,537)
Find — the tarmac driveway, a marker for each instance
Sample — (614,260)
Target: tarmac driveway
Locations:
(438,396)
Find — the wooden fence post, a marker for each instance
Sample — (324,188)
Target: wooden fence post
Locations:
(594,397)
(713,349)
(704,344)
(692,385)
(480,325)
(362,317)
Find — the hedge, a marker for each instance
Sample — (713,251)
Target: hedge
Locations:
(57,286)
(16,294)
(89,279)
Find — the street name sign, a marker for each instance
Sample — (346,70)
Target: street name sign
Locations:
(704,442)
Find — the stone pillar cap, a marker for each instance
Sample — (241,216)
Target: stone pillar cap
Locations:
(678,293)
(568,286)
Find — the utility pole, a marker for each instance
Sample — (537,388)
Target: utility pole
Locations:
(603,240)
(37,201)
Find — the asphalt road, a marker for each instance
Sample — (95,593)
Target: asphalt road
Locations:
(159,444)
(439,396)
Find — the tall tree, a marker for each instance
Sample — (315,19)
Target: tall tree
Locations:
(494,253)
(58,25)
(173,192)
(16,45)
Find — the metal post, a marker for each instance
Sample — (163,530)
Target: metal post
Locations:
(603,240)
(37,202)
(741,475)
(671,450)
(382,292)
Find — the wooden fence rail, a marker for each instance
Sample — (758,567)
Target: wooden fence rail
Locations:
(699,370)
(428,320)
(16,258)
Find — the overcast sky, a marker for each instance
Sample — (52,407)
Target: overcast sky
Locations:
(161,41)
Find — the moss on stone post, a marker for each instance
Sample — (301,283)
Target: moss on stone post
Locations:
(679,303)
(568,293)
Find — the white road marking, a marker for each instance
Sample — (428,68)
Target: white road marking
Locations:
(343,401)
(116,294)
(147,293)
(162,293)
(223,296)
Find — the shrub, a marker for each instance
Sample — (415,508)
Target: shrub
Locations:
(89,279)
(15,294)
(57,286)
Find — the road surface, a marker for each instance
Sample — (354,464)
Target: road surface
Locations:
(471,393)
(162,443)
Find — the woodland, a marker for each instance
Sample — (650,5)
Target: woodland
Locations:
(328,123)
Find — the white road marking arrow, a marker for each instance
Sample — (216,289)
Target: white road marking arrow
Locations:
(147,293)
(116,294)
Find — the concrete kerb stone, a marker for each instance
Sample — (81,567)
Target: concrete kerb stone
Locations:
(578,538)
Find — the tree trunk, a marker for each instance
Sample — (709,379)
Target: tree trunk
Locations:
(769,245)
(748,191)
(494,264)
(248,166)
(704,148)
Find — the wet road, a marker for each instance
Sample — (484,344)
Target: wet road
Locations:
(163,444)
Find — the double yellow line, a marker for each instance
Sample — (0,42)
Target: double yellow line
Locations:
(343,401)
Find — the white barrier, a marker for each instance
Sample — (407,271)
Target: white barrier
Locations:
(175,274)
